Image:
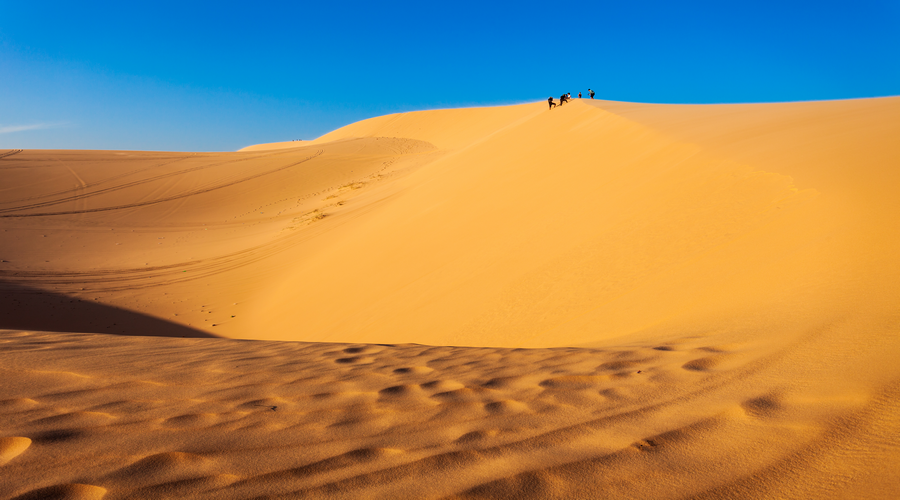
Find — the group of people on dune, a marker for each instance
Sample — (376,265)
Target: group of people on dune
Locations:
(565,98)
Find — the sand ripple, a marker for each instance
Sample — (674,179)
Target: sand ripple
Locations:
(214,418)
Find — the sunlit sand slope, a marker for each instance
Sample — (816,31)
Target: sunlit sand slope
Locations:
(599,220)
(512,226)
(710,293)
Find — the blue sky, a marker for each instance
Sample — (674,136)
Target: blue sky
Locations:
(194,76)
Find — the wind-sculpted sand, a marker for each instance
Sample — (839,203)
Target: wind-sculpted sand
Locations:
(605,300)
(145,417)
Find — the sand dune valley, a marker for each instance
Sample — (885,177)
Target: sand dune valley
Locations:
(603,300)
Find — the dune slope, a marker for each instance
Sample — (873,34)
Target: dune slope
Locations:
(512,226)
(708,294)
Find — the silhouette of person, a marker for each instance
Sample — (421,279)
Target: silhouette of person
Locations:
(552,104)
(579,95)
(592,93)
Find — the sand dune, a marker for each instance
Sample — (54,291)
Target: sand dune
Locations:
(708,295)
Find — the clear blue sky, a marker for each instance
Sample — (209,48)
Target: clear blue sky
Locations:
(217,76)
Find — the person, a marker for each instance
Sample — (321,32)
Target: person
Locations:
(592,93)
(562,99)
(579,95)
(550,100)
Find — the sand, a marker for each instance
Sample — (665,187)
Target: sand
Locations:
(608,299)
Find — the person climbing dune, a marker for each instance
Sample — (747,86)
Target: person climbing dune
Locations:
(550,100)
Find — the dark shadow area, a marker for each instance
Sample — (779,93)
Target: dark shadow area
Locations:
(26,308)
(61,492)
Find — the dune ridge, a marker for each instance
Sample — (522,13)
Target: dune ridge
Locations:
(615,299)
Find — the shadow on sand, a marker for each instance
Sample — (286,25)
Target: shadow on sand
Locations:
(26,308)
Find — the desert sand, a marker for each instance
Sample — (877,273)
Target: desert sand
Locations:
(605,300)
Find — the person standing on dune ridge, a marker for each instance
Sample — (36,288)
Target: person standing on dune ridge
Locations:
(579,95)
(592,93)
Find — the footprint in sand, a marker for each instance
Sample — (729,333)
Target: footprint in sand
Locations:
(701,364)
(506,407)
(192,420)
(403,390)
(470,394)
(414,370)
(764,406)
(574,382)
(475,436)
(514,382)
(60,435)
(720,348)
(646,445)
(356,360)
(366,349)
(618,365)
(167,466)
(615,394)
(440,386)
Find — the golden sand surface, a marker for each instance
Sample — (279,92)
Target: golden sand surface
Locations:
(606,299)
